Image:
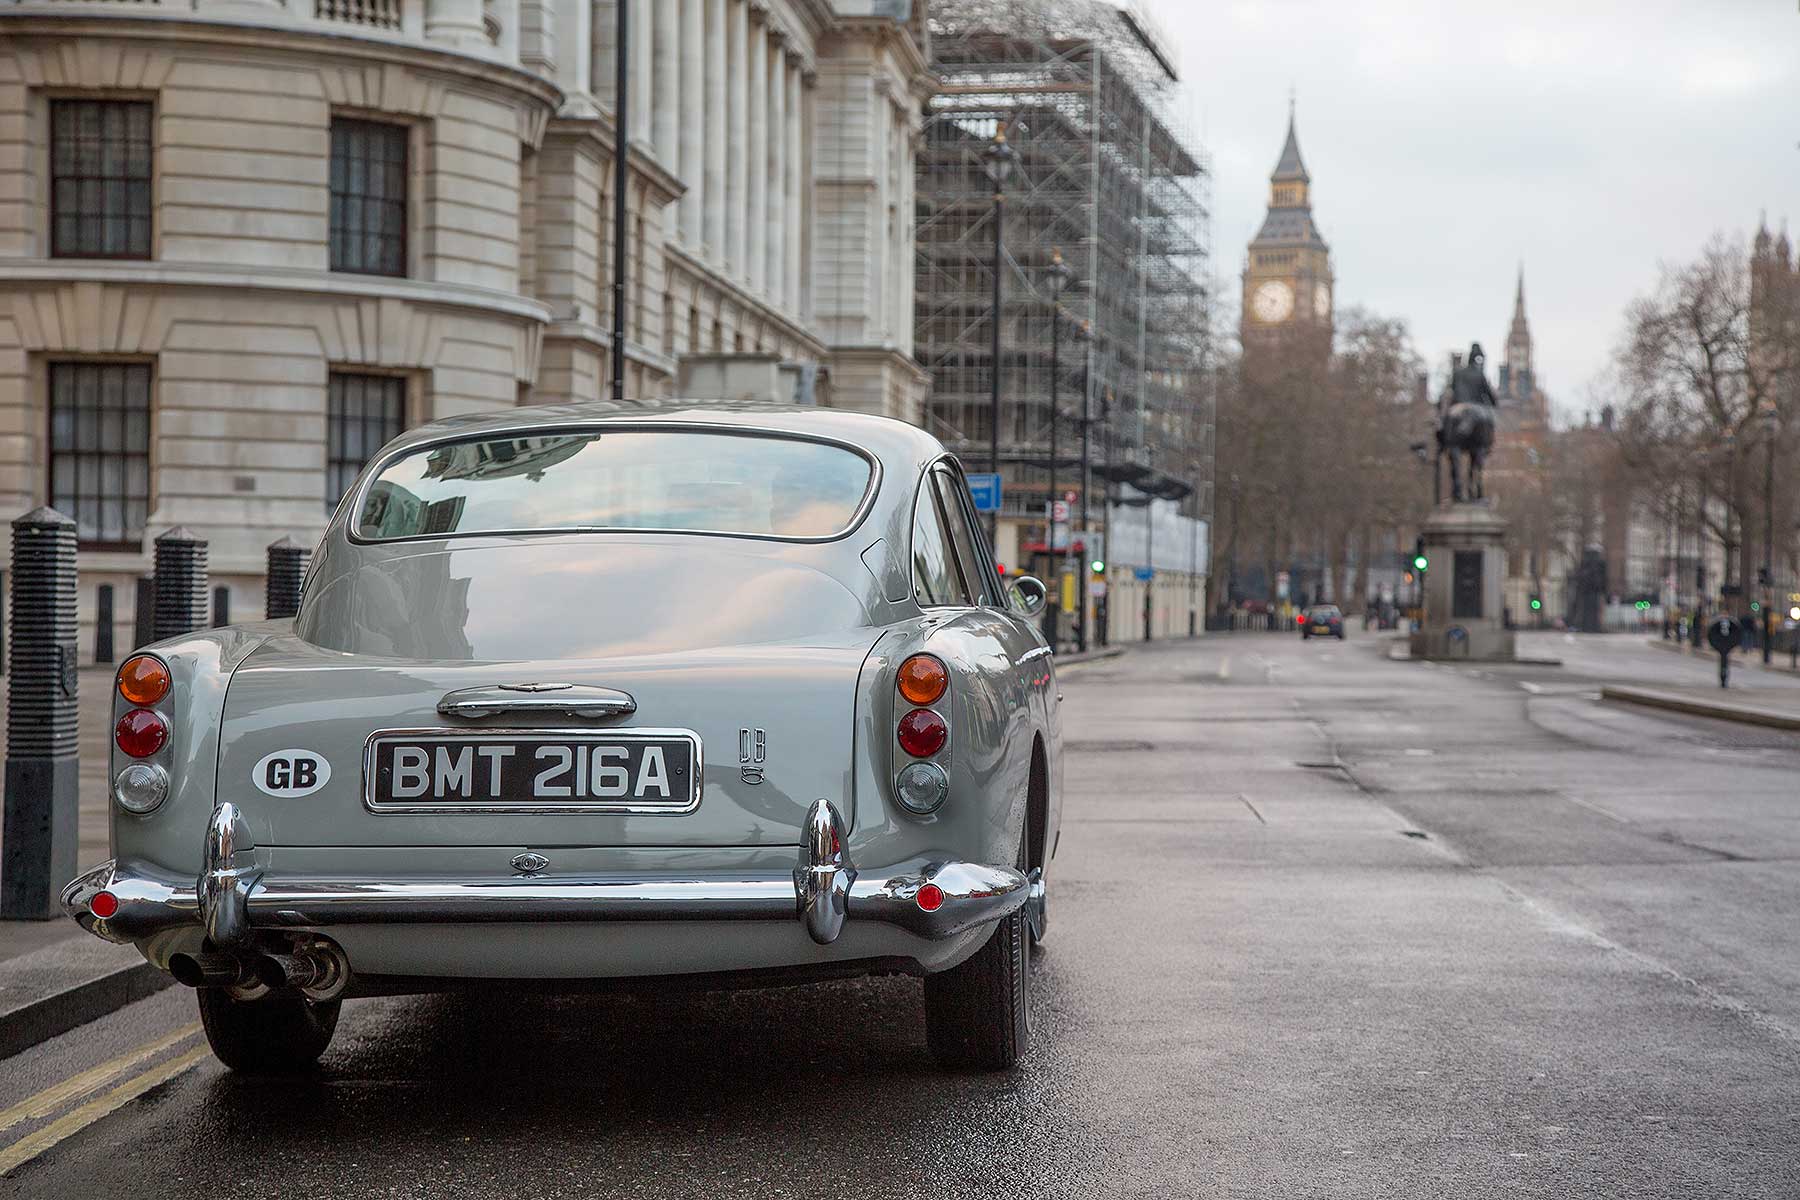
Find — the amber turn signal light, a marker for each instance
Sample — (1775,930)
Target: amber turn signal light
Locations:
(143,679)
(923,679)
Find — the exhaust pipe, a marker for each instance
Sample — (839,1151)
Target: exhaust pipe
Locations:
(211,970)
(319,971)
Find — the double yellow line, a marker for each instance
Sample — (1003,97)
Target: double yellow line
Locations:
(92,1080)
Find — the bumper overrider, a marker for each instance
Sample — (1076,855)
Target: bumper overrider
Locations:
(233,898)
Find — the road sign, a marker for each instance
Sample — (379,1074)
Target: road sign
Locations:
(1059,511)
(984,487)
(1143,574)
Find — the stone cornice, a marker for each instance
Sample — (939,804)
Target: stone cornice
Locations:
(680,256)
(57,272)
(598,132)
(137,22)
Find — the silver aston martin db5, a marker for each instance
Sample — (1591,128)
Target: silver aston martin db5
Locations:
(580,694)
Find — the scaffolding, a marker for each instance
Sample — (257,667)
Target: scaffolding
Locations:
(1108,173)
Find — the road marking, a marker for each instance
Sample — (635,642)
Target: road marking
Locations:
(1225,668)
(55,1096)
(29,1147)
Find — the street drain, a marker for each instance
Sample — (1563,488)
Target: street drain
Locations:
(1416,833)
(1106,747)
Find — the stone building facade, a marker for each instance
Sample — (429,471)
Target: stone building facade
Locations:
(243,243)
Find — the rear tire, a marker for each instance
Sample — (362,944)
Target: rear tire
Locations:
(281,1034)
(978,1013)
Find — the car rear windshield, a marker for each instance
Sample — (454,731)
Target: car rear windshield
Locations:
(688,480)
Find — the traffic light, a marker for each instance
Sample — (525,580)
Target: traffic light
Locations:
(1098,566)
(1420,563)
(1537,605)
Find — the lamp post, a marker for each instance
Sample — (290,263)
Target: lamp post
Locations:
(1058,274)
(621,183)
(999,164)
(1769,418)
(1086,334)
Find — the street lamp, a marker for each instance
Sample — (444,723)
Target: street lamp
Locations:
(999,161)
(1086,335)
(1769,418)
(1059,275)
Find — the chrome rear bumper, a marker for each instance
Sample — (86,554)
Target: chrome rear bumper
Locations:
(234,897)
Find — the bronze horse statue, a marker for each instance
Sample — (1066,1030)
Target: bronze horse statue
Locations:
(1466,425)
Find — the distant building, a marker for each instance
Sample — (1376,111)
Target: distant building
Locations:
(1287,279)
(1519,474)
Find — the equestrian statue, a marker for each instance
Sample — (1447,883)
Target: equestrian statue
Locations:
(1466,425)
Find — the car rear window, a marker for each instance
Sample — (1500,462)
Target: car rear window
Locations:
(687,480)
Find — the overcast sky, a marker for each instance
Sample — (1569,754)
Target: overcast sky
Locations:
(1447,140)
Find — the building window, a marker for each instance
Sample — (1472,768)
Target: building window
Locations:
(99,179)
(100,450)
(368,197)
(363,414)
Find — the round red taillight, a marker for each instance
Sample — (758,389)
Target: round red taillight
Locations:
(143,679)
(141,733)
(923,733)
(103,905)
(923,679)
(930,897)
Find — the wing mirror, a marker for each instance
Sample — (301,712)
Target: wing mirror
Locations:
(1029,594)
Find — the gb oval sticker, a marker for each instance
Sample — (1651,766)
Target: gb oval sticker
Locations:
(290,774)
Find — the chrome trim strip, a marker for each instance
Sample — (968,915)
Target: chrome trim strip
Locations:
(561,699)
(631,425)
(697,788)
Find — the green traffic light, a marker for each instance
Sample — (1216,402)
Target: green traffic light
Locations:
(1755,606)
(1421,563)
(1098,566)
(1536,603)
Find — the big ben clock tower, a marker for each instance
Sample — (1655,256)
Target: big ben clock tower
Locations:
(1287,275)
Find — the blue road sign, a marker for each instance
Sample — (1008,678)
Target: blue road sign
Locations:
(985,488)
(1143,574)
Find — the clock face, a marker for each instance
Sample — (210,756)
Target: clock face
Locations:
(1273,301)
(1322,301)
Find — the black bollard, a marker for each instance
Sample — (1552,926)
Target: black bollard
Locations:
(287,568)
(180,583)
(143,630)
(103,623)
(221,606)
(39,846)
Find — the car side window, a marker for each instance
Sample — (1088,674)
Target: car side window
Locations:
(937,580)
(963,539)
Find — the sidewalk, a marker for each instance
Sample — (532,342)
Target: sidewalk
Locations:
(1741,658)
(1777,708)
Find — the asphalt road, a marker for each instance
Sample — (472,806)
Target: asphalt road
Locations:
(1323,925)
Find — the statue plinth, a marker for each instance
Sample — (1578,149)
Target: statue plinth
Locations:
(1465,543)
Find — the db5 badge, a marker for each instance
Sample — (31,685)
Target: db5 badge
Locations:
(753,749)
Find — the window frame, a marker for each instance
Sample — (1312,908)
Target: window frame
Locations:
(925,498)
(46,388)
(51,99)
(408,133)
(996,586)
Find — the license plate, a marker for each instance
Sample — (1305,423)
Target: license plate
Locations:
(533,771)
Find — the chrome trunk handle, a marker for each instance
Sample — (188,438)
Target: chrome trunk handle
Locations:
(556,699)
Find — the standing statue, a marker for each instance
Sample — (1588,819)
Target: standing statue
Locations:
(1466,424)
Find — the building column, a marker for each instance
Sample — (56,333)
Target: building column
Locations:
(693,121)
(736,145)
(642,69)
(454,22)
(715,130)
(666,67)
(539,48)
(796,160)
(777,224)
(756,255)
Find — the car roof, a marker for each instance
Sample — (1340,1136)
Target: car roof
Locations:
(891,440)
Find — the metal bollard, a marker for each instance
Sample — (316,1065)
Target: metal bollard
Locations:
(143,630)
(287,568)
(180,583)
(103,623)
(39,849)
(221,606)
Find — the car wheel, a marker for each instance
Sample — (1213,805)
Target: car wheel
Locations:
(978,1013)
(274,1035)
